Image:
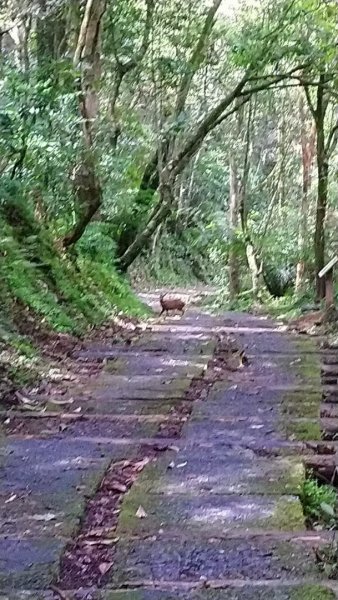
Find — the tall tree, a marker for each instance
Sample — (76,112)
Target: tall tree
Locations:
(326,141)
(87,60)
(307,143)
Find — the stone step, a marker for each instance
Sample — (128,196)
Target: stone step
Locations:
(227,590)
(188,560)
(210,514)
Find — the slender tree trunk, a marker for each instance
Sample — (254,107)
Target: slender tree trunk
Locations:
(255,269)
(322,195)
(323,150)
(307,146)
(234,205)
(86,182)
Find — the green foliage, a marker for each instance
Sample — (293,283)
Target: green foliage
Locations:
(41,142)
(319,502)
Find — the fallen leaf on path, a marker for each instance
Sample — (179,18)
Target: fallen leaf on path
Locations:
(141,513)
(37,407)
(105,542)
(63,595)
(46,517)
(60,402)
(104,567)
(119,487)
(141,464)
(10,499)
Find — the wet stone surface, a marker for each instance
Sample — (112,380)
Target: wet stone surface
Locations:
(212,514)
(189,560)
(243,592)
(206,503)
(51,467)
(227,470)
(235,471)
(28,563)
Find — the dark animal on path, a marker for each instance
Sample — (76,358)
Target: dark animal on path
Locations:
(173,304)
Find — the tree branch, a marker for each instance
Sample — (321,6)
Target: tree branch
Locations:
(216,116)
(124,68)
(196,58)
(309,101)
(332,140)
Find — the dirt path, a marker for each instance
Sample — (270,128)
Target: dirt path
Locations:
(215,516)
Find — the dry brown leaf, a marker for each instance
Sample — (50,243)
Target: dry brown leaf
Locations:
(104,567)
(61,402)
(116,486)
(141,464)
(103,542)
(63,595)
(141,513)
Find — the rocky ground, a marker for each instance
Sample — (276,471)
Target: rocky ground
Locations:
(168,467)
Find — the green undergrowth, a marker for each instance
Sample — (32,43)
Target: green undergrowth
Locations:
(284,308)
(43,289)
(319,503)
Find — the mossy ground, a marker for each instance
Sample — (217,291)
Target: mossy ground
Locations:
(288,516)
(302,430)
(312,592)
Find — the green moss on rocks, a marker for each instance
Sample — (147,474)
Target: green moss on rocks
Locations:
(312,592)
(288,516)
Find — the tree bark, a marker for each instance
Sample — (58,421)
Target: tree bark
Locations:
(234,204)
(322,194)
(323,151)
(322,186)
(144,236)
(255,270)
(308,151)
(86,182)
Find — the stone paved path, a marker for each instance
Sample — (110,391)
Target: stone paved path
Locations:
(223,519)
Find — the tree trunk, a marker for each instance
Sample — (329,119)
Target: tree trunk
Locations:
(255,269)
(89,194)
(86,182)
(144,236)
(50,30)
(322,194)
(234,204)
(323,153)
(308,148)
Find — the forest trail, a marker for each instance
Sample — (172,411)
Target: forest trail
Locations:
(160,502)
